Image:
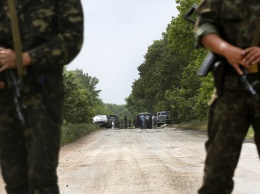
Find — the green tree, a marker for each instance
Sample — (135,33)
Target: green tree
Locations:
(90,83)
(168,79)
(81,97)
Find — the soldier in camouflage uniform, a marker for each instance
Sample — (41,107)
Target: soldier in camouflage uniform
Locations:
(227,28)
(52,35)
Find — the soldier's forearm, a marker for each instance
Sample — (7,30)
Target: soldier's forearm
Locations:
(215,44)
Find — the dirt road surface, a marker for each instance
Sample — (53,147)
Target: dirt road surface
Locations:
(150,161)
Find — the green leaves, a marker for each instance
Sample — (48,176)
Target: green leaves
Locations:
(168,79)
(81,98)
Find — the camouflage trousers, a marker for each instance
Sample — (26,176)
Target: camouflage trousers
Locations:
(229,119)
(29,155)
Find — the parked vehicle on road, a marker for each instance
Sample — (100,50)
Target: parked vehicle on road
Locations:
(162,118)
(103,121)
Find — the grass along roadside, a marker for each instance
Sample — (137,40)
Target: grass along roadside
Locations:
(72,132)
(202,126)
(193,125)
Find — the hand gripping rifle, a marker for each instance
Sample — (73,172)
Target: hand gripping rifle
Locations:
(212,59)
(14,83)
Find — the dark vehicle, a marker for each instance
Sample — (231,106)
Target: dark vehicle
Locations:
(114,118)
(103,121)
(162,118)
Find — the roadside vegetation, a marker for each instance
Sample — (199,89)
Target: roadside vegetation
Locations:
(202,127)
(73,132)
(82,103)
(193,125)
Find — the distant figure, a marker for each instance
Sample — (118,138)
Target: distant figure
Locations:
(113,124)
(129,123)
(153,121)
(125,119)
(142,117)
(147,121)
(121,124)
(137,122)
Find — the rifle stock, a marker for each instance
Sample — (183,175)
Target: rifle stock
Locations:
(207,64)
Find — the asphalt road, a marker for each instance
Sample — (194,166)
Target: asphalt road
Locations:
(150,161)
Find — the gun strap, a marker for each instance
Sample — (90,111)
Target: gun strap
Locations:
(16,38)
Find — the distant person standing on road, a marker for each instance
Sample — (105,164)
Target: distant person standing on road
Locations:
(230,29)
(147,121)
(125,119)
(142,117)
(153,121)
(137,122)
(113,124)
(129,123)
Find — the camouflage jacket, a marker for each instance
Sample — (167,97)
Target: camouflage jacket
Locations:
(52,33)
(51,30)
(234,20)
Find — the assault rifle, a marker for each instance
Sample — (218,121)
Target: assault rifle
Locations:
(13,86)
(212,60)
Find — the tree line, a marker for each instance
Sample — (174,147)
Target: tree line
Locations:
(168,75)
(82,100)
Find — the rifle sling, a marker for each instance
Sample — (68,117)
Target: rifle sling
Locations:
(16,38)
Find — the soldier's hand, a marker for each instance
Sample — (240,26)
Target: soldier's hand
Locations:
(7,59)
(251,55)
(234,56)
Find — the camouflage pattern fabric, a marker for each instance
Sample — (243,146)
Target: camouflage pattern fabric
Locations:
(230,114)
(229,118)
(235,20)
(52,33)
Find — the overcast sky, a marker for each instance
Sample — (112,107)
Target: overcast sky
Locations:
(117,35)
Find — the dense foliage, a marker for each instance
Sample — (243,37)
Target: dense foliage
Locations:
(168,79)
(82,100)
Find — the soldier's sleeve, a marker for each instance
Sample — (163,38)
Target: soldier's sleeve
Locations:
(208,19)
(65,46)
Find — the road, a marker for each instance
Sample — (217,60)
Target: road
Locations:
(150,161)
